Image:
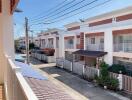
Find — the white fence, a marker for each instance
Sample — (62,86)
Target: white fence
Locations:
(90,72)
(16,87)
(67,65)
(78,68)
(43,57)
(59,62)
(125,82)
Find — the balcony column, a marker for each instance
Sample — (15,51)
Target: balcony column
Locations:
(108,46)
(75,41)
(8,36)
(54,46)
(63,45)
(46,42)
(85,48)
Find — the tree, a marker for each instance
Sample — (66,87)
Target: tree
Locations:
(16,44)
(31,46)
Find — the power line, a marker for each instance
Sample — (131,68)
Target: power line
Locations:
(54,14)
(50,9)
(82,11)
(54,10)
(79,12)
(72,11)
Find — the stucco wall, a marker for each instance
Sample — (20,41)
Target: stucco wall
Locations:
(6,36)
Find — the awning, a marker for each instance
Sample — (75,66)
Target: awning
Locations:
(93,54)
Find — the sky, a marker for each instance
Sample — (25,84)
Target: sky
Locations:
(49,11)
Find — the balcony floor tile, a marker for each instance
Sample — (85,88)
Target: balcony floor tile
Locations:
(2,97)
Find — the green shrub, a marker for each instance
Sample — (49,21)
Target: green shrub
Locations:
(116,68)
(104,78)
(113,84)
(104,70)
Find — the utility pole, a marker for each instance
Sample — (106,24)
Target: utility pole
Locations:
(32,36)
(27,40)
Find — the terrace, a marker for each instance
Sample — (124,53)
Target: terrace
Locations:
(95,41)
(21,82)
(123,43)
(69,42)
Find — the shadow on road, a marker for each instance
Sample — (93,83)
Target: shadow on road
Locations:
(36,62)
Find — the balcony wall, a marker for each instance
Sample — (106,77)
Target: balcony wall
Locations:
(97,44)
(16,87)
(123,47)
(69,46)
(95,47)
(123,42)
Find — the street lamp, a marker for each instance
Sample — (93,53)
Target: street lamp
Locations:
(17,10)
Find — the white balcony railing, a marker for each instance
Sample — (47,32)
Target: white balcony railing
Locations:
(50,46)
(123,47)
(16,87)
(95,47)
(69,46)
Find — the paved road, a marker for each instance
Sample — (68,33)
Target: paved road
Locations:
(83,87)
(77,84)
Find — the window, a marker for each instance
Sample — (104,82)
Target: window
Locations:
(102,40)
(57,42)
(43,41)
(92,40)
(120,39)
(127,39)
(70,41)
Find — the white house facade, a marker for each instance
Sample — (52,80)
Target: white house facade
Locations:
(110,33)
(22,41)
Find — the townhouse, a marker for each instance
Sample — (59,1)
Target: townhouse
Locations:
(106,37)
(22,41)
(50,39)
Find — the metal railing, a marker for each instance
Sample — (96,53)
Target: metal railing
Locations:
(123,47)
